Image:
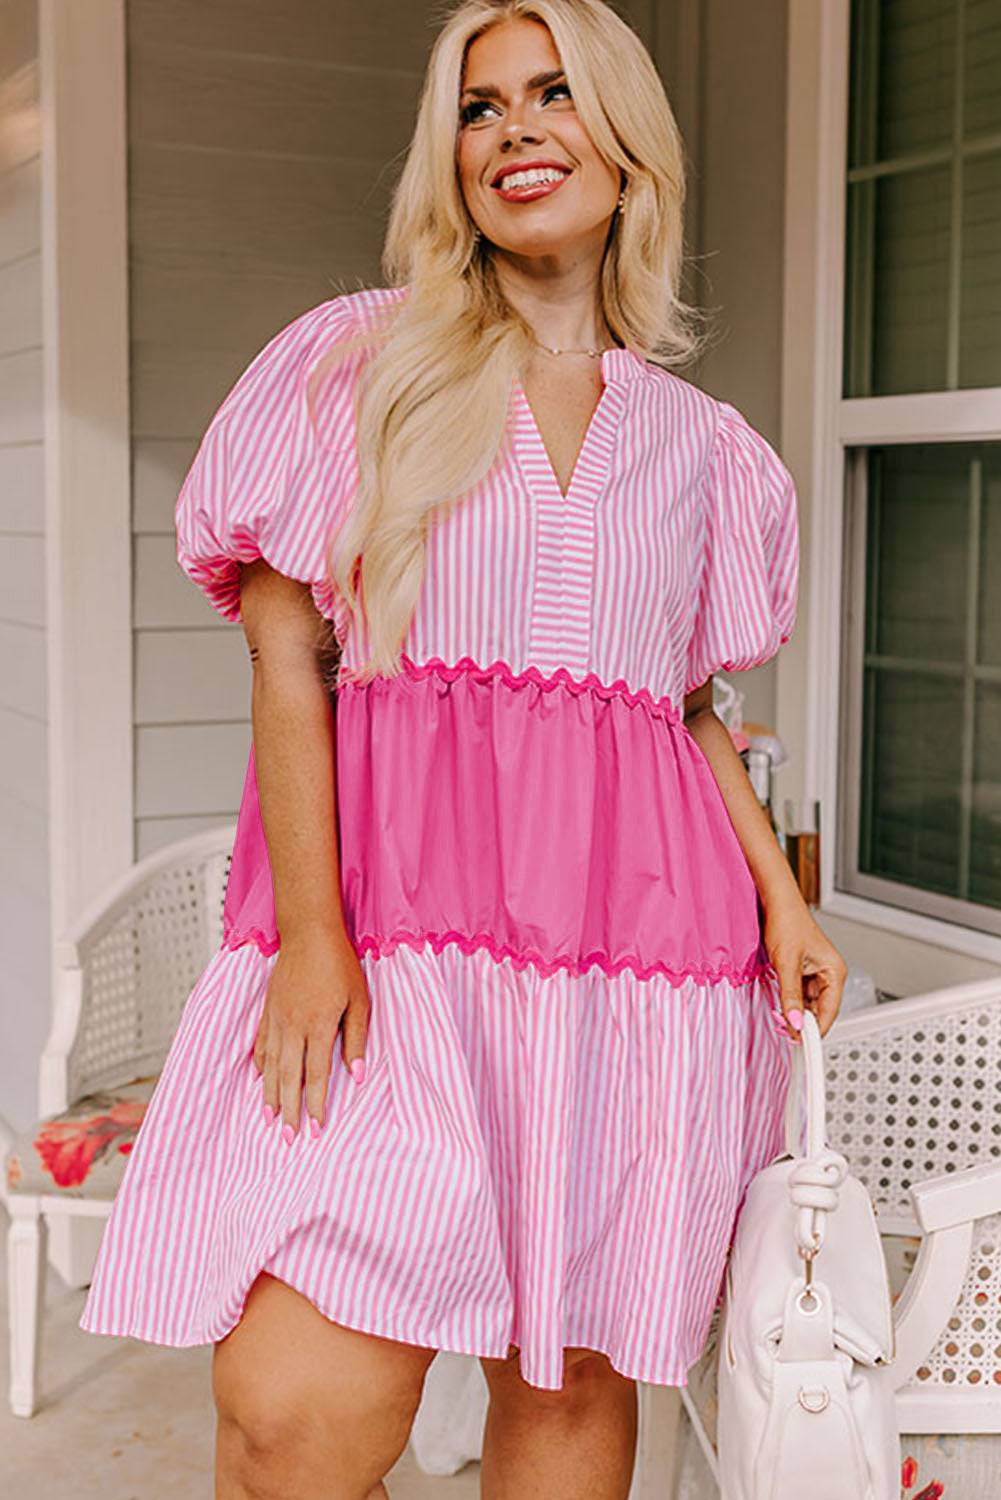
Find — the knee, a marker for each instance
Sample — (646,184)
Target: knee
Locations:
(276,1431)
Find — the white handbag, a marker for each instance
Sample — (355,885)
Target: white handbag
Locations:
(804,1406)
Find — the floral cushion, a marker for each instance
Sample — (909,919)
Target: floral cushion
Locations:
(82,1152)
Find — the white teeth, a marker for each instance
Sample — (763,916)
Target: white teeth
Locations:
(528,179)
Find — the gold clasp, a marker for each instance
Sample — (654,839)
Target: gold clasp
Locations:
(808,1256)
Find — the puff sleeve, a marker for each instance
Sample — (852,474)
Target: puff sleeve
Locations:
(273,473)
(746,554)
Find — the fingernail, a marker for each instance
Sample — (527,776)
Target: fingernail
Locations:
(358,1069)
(795,1018)
(269,1114)
(314,1127)
(288,1134)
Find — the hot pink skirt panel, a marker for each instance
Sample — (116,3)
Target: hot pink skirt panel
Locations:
(557,823)
(544,1161)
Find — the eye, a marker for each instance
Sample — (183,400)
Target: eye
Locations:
(468,115)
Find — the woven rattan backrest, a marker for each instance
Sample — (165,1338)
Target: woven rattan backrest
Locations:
(137,975)
(916,1098)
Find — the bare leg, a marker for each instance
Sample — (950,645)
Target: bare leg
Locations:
(580,1440)
(306,1408)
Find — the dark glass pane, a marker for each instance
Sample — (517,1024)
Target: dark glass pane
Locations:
(912,759)
(989,602)
(980,293)
(917,61)
(982,70)
(862,84)
(930,794)
(919,506)
(902,78)
(908,284)
(985,829)
(859,270)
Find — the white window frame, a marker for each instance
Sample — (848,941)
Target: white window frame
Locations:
(818,426)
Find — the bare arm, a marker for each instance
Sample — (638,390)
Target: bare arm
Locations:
(318,977)
(809,968)
(294,750)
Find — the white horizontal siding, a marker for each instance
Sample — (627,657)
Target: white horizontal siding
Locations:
(23,680)
(154,833)
(20,392)
(199,767)
(22,493)
(24,762)
(22,579)
(169,690)
(21,304)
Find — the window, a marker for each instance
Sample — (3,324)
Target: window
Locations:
(920,750)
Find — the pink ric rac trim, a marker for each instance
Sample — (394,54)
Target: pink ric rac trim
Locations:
(590,683)
(234,937)
(382,946)
(527,958)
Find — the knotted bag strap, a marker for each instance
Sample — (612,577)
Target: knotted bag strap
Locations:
(818,1170)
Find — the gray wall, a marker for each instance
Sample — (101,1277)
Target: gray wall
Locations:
(24,886)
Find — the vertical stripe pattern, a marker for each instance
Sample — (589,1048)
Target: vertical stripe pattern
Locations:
(536,1159)
(673,554)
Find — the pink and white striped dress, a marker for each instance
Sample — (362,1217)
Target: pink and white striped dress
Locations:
(576,1058)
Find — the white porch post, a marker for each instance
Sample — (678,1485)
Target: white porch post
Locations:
(87,469)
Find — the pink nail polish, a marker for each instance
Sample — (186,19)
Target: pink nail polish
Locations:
(795,1018)
(288,1134)
(314,1127)
(358,1069)
(269,1114)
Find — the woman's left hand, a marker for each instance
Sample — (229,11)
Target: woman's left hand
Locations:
(810,969)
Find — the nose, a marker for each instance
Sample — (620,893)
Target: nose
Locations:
(517,132)
(515,129)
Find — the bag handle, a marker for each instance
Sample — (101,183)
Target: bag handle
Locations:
(816,1175)
(808,1057)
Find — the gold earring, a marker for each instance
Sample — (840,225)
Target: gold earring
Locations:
(622,200)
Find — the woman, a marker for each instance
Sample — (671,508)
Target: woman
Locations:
(521,870)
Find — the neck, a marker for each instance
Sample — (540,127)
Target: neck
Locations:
(563,309)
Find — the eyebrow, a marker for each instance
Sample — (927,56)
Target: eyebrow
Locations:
(491,91)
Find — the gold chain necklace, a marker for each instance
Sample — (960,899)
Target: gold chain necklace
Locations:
(594,353)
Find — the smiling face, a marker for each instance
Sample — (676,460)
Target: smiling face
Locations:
(517,115)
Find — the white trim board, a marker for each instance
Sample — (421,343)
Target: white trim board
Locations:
(87,448)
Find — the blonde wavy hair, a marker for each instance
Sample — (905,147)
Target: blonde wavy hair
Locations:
(431,403)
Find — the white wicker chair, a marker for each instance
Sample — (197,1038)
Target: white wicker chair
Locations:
(121,979)
(913,1091)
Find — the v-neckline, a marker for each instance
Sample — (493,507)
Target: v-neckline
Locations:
(593,460)
(539,444)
